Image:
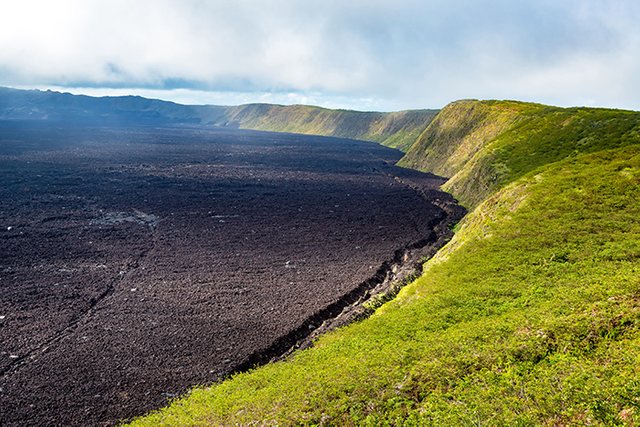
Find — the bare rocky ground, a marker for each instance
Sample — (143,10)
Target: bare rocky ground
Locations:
(137,263)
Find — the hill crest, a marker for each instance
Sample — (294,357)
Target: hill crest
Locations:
(396,129)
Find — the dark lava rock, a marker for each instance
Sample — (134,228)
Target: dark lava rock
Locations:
(136,263)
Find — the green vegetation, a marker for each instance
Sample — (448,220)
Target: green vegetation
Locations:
(398,130)
(529,316)
(483,145)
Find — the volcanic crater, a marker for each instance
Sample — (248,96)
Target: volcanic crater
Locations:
(138,262)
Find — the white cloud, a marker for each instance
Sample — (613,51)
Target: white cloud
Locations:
(361,53)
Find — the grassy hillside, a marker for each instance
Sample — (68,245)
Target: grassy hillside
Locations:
(398,129)
(460,131)
(482,145)
(529,316)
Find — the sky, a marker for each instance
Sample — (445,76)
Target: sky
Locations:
(358,54)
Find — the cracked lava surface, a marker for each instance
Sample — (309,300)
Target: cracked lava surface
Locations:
(136,263)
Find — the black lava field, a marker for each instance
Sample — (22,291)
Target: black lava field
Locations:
(138,262)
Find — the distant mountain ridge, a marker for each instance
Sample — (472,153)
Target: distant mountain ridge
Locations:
(51,105)
(397,129)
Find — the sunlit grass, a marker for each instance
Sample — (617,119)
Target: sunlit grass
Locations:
(483,145)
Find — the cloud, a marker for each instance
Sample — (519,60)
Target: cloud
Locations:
(389,54)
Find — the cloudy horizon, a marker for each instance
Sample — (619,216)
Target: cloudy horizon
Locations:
(365,55)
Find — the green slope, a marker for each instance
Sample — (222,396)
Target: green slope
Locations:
(529,316)
(482,145)
(397,130)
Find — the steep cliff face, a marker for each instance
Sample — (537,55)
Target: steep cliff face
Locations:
(483,145)
(398,129)
(460,130)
